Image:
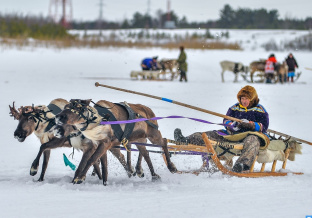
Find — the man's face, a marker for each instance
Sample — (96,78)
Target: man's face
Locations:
(245,101)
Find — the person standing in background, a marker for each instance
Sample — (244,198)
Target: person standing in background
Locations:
(270,67)
(292,64)
(182,64)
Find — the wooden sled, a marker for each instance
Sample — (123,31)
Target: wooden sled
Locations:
(249,174)
(214,157)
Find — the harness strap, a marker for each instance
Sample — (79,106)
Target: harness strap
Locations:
(109,116)
(148,122)
(54,109)
(129,126)
(121,135)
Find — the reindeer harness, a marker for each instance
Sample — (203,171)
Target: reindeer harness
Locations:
(122,136)
(41,116)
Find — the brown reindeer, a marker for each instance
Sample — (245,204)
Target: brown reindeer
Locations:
(257,66)
(86,119)
(40,121)
(281,71)
(169,64)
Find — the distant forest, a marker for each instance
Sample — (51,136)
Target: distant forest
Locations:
(242,18)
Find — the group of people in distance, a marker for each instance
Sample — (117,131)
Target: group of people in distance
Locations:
(151,64)
(271,65)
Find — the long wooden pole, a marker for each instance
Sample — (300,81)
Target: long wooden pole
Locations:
(195,108)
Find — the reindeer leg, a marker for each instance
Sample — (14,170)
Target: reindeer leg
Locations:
(222,76)
(127,165)
(236,75)
(101,150)
(251,76)
(104,168)
(96,169)
(147,158)
(88,152)
(46,157)
(53,143)
(138,167)
(156,138)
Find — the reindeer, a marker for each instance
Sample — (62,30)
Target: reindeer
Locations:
(281,71)
(169,64)
(40,121)
(86,119)
(257,66)
(233,67)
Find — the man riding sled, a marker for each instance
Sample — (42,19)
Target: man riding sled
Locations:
(251,132)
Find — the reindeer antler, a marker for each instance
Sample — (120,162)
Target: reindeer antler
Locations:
(14,113)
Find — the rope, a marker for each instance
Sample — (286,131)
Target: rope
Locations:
(157,118)
(179,152)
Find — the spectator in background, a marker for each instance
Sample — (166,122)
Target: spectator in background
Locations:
(182,64)
(270,67)
(292,64)
(149,64)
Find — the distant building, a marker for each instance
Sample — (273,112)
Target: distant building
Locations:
(169,24)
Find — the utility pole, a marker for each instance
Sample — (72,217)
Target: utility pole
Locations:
(100,21)
(148,7)
(64,18)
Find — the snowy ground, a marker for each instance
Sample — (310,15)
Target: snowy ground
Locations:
(36,76)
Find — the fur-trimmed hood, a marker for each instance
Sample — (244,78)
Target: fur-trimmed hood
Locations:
(251,93)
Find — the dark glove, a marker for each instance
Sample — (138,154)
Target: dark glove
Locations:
(233,127)
(246,125)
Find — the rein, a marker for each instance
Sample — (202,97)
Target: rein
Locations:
(158,118)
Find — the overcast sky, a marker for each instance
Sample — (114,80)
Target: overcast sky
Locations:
(194,10)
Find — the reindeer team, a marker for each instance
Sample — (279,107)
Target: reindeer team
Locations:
(77,125)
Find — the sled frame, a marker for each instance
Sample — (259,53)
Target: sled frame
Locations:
(214,157)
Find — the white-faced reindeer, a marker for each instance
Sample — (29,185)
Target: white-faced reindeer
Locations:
(233,67)
(40,121)
(87,119)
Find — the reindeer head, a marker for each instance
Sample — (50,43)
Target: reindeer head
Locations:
(74,113)
(27,121)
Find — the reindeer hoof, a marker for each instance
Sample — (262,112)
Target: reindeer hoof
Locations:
(40,180)
(156,178)
(33,171)
(131,172)
(105,183)
(79,180)
(172,168)
(140,173)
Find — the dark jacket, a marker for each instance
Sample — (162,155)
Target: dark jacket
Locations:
(182,62)
(291,63)
(257,114)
